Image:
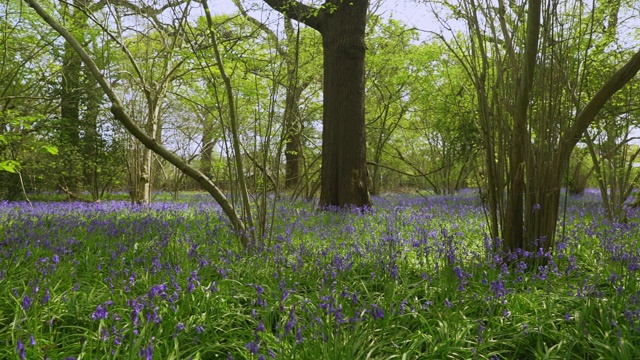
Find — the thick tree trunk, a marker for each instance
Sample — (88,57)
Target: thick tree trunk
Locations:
(344,167)
(342,24)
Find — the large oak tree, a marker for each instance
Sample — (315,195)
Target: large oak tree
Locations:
(342,25)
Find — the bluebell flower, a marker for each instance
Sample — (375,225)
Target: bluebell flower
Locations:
(289,325)
(117,336)
(137,308)
(403,306)
(100,313)
(376,312)
(253,347)
(46,297)
(299,337)
(259,289)
(285,295)
(157,290)
(147,352)
(498,289)
(481,329)
(26,302)
(104,334)
(21,350)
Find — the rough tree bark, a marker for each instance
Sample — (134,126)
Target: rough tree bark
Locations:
(344,175)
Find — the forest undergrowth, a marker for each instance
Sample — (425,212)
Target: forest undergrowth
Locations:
(412,278)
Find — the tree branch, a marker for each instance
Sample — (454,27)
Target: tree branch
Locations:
(421,174)
(142,10)
(120,114)
(308,15)
(586,116)
(262,26)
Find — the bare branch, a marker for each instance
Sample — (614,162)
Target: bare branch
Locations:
(308,15)
(142,10)
(120,114)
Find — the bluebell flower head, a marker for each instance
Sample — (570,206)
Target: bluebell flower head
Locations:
(147,352)
(100,313)
(253,347)
(21,350)
(26,302)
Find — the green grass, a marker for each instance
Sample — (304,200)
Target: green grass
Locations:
(413,279)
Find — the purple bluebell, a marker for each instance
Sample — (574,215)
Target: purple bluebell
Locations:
(376,312)
(100,313)
(481,329)
(157,290)
(46,297)
(21,350)
(253,347)
(498,289)
(147,352)
(26,302)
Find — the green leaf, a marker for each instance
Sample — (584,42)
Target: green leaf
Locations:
(11,166)
(53,150)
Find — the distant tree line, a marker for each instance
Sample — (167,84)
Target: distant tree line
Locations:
(518,100)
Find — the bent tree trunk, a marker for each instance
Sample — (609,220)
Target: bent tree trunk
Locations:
(120,114)
(344,176)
